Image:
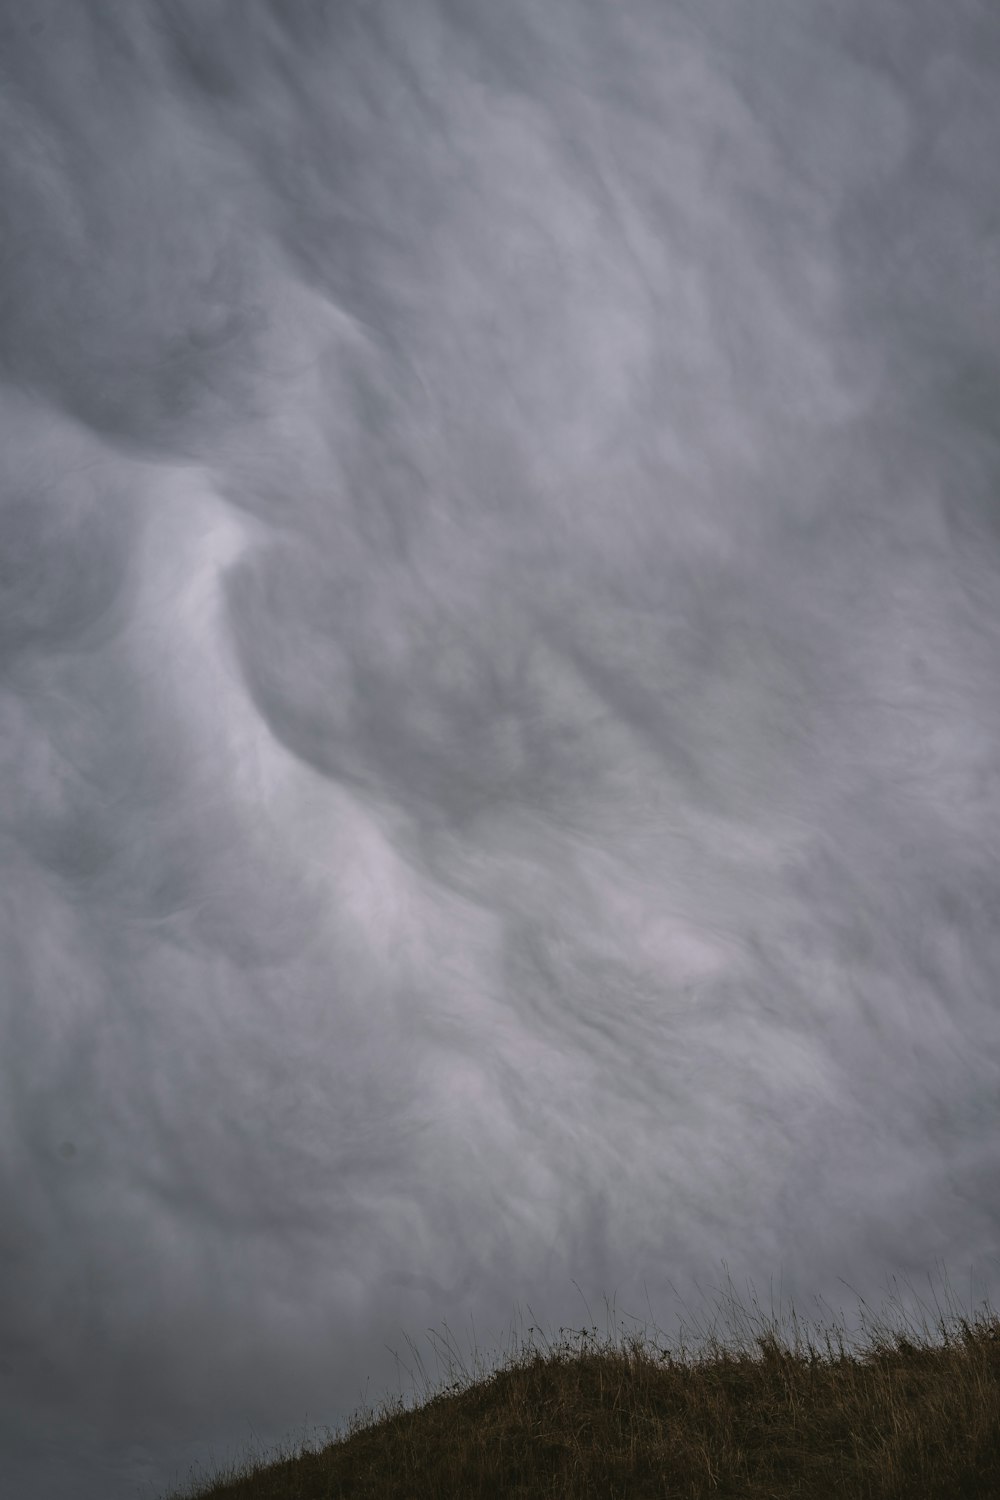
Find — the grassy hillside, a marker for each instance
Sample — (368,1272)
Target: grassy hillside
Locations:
(902,1415)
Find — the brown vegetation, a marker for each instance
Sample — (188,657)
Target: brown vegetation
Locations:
(903,1416)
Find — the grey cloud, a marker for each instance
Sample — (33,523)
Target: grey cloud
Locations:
(498,712)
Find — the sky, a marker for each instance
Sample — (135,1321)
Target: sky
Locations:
(499,711)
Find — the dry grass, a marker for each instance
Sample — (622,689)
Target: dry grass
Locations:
(902,1416)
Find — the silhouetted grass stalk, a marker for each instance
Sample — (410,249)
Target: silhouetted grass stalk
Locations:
(899,1416)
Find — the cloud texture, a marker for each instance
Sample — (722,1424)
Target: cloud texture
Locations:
(499,718)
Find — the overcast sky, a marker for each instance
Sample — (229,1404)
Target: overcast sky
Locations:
(499,699)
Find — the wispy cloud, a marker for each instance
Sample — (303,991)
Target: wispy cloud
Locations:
(498,709)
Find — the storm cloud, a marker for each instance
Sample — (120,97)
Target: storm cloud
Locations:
(499,711)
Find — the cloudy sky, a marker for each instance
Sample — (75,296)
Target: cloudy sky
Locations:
(499,702)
